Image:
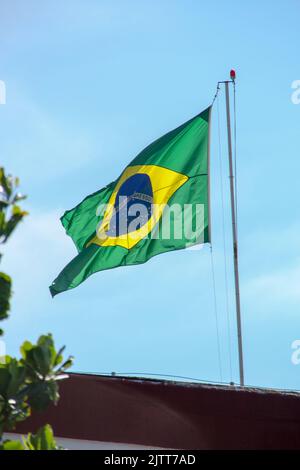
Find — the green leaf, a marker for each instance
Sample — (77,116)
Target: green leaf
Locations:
(59,357)
(4,380)
(40,357)
(12,445)
(42,440)
(42,394)
(18,197)
(16,210)
(68,363)
(5,182)
(12,223)
(26,346)
(17,374)
(2,223)
(5,295)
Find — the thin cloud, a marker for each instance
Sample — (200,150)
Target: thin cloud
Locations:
(274,289)
(43,144)
(35,253)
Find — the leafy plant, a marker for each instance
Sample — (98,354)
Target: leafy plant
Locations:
(42,440)
(31,382)
(10,216)
(5,295)
(10,212)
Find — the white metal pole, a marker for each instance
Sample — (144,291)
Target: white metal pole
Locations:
(235,243)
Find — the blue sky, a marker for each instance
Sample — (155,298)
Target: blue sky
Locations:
(89,84)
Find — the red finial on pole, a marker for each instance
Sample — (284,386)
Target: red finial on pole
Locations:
(232,75)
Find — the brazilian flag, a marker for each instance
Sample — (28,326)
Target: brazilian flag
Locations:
(172,171)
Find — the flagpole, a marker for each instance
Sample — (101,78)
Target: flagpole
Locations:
(234,235)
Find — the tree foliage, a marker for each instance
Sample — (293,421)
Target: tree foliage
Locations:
(30,382)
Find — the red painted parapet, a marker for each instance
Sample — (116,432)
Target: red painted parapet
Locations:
(172,415)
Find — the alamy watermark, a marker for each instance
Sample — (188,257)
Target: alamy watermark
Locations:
(143,219)
(2,92)
(295,96)
(295,357)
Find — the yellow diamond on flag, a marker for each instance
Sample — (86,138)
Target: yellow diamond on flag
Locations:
(148,185)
